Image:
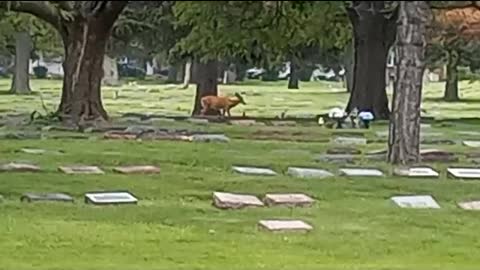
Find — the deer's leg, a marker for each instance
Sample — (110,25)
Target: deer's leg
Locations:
(228,112)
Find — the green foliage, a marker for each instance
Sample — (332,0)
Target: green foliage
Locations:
(259,31)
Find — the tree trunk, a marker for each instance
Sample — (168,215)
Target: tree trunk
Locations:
(85,40)
(21,79)
(374,34)
(187,74)
(293,78)
(110,71)
(349,66)
(206,77)
(404,135)
(451,87)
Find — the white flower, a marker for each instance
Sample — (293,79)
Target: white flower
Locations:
(336,113)
(366,116)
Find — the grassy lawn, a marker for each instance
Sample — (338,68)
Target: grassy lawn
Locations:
(176,227)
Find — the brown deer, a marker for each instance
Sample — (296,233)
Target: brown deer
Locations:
(221,103)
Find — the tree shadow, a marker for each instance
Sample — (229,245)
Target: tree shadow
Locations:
(9,93)
(462,100)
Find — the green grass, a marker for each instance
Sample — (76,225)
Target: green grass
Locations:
(176,227)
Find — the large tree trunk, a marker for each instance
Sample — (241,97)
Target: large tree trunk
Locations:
(85,42)
(110,71)
(404,137)
(451,87)
(23,48)
(293,78)
(187,74)
(374,34)
(349,62)
(206,78)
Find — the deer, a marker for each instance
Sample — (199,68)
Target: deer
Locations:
(221,103)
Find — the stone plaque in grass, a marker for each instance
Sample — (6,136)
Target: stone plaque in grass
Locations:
(143,169)
(308,172)
(436,155)
(243,122)
(120,135)
(335,158)
(209,138)
(471,205)
(416,172)
(416,201)
(350,140)
(19,167)
(80,169)
(113,197)
(284,123)
(198,121)
(35,151)
(224,200)
(472,144)
(464,173)
(437,141)
(293,199)
(254,171)
(343,151)
(285,225)
(55,197)
(361,172)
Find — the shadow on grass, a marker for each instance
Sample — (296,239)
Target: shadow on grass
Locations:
(441,100)
(9,93)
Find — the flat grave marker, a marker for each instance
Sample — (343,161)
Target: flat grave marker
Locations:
(243,122)
(285,225)
(55,197)
(292,199)
(224,200)
(416,172)
(80,169)
(436,155)
(107,198)
(254,171)
(361,172)
(209,138)
(419,201)
(308,172)
(144,169)
(19,167)
(472,144)
(464,173)
(335,158)
(471,205)
(350,140)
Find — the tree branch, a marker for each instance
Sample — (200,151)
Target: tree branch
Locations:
(41,9)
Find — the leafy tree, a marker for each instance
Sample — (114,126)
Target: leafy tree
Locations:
(261,32)
(84,27)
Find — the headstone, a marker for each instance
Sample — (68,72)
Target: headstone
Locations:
(469,133)
(416,172)
(308,172)
(225,200)
(139,129)
(343,151)
(145,169)
(105,198)
(377,152)
(19,167)
(198,121)
(473,144)
(80,169)
(285,225)
(284,123)
(254,171)
(209,138)
(435,155)
(361,172)
(335,158)
(294,199)
(472,205)
(56,197)
(464,173)
(350,140)
(243,122)
(422,201)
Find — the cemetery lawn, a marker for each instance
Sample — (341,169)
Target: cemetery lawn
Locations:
(175,226)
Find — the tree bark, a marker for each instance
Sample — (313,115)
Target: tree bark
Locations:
(293,78)
(187,74)
(110,71)
(349,66)
(206,77)
(85,40)
(374,34)
(21,78)
(404,131)
(451,87)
